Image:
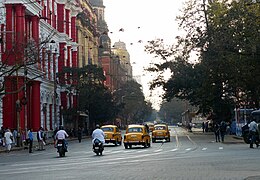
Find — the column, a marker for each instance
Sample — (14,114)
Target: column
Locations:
(73,28)
(35,29)
(67,22)
(9,109)
(8,56)
(74,58)
(20,24)
(36,100)
(60,17)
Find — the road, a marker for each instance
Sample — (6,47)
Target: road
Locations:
(188,156)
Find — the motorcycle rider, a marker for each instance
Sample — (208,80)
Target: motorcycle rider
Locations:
(98,134)
(61,135)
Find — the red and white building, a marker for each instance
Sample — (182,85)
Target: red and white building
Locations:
(33,97)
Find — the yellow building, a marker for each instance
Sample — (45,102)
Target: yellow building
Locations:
(87,35)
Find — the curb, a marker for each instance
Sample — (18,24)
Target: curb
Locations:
(48,143)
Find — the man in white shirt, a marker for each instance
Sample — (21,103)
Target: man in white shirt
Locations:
(98,134)
(62,135)
(8,136)
(253,131)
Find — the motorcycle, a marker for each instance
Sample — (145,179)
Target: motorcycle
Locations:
(61,147)
(98,147)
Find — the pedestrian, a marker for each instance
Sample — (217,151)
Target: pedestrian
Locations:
(253,132)
(8,137)
(216,131)
(207,126)
(30,139)
(15,134)
(40,139)
(203,127)
(223,129)
(79,134)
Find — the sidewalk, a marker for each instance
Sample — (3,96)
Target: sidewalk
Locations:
(49,142)
(229,139)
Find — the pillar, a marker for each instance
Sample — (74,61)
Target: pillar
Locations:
(60,17)
(36,105)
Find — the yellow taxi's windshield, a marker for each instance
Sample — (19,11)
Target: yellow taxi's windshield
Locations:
(160,128)
(135,129)
(107,129)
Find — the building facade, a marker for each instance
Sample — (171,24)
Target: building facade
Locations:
(38,40)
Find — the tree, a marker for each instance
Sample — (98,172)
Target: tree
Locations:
(224,36)
(133,107)
(94,97)
(171,112)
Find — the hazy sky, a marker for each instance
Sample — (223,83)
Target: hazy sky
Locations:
(142,20)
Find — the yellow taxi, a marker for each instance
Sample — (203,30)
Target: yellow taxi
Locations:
(160,132)
(112,134)
(137,135)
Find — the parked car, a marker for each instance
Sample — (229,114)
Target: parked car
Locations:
(161,131)
(137,135)
(112,134)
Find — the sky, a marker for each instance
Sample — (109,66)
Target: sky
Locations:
(142,21)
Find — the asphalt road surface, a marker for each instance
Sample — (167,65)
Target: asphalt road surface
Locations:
(189,156)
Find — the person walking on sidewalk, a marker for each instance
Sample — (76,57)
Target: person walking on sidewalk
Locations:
(79,134)
(15,134)
(30,139)
(223,129)
(216,131)
(40,139)
(8,137)
(253,132)
(203,126)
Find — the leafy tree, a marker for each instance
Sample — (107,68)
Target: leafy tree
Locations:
(94,97)
(134,108)
(225,37)
(171,112)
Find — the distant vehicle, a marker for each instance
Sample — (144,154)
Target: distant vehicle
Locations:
(136,135)
(112,134)
(161,131)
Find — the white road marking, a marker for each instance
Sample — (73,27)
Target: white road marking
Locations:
(204,149)
(188,149)
(174,149)
(158,150)
(220,148)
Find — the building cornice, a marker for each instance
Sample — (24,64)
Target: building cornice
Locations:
(32,7)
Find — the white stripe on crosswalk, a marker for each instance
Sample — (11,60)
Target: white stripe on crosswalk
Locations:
(158,150)
(174,149)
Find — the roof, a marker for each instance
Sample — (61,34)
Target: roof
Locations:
(160,125)
(135,125)
(108,126)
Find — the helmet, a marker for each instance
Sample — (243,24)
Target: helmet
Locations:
(97,126)
(61,128)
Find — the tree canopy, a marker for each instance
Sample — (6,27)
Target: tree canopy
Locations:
(224,35)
